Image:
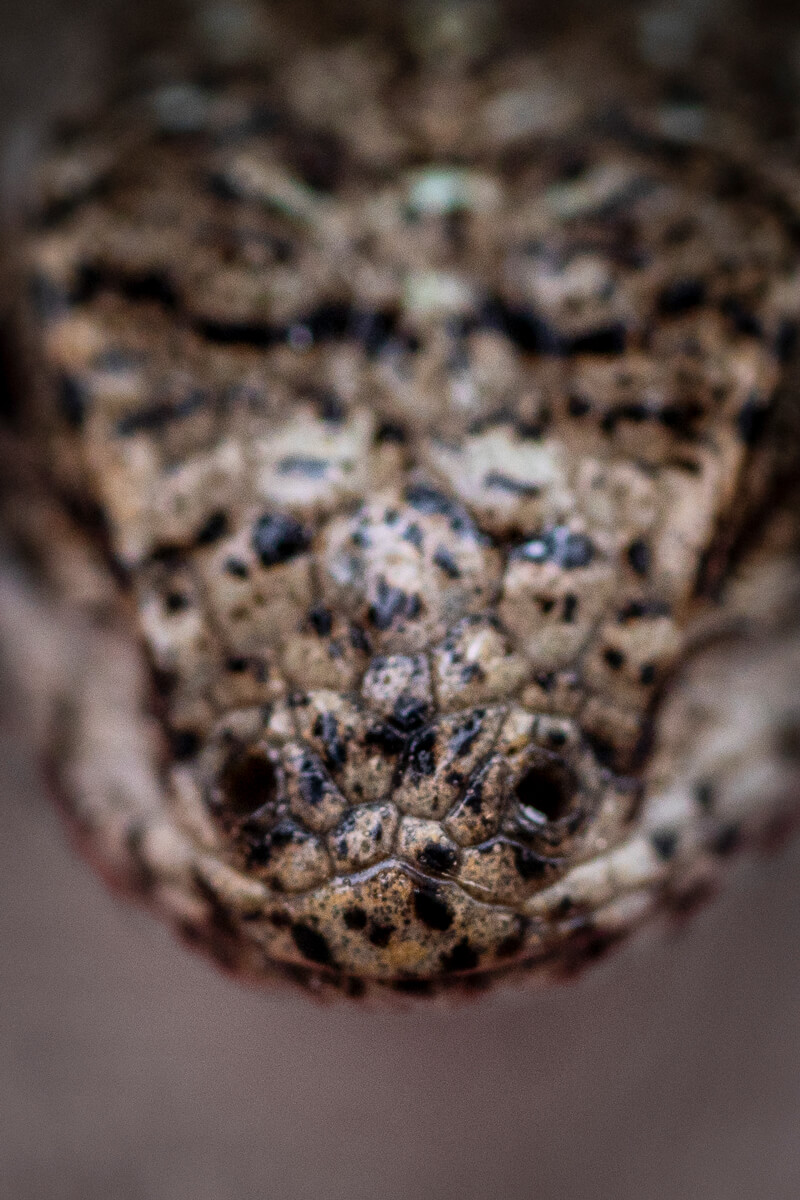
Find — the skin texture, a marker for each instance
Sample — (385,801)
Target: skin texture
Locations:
(405,445)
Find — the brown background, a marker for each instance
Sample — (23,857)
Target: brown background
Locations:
(129,1070)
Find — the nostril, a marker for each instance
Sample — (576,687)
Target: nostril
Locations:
(248,783)
(545,793)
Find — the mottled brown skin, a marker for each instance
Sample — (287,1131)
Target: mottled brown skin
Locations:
(407,439)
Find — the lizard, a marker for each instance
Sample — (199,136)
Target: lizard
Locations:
(399,497)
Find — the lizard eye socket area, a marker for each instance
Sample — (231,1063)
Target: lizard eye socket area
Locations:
(248,782)
(546,790)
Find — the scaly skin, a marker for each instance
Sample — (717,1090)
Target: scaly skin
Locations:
(402,448)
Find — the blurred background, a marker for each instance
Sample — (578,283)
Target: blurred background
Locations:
(131,1070)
